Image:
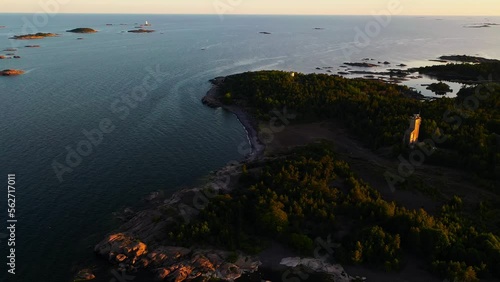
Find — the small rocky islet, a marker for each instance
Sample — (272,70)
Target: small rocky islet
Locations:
(439,88)
(141,30)
(39,35)
(82,30)
(11,72)
(361,65)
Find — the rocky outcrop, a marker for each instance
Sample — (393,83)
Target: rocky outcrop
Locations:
(84,275)
(142,243)
(173,263)
(210,99)
(319,266)
(11,72)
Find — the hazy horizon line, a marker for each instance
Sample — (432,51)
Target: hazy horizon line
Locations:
(243,14)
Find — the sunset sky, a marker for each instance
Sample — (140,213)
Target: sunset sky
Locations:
(315,7)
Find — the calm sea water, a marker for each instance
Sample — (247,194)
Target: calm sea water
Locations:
(168,140)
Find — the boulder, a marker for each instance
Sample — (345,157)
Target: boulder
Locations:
(121,257)
(85,275)
(181,273)
(230,271)
(161,273)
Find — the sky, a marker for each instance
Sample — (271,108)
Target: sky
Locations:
(309,7)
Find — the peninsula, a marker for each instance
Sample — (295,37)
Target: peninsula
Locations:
(321,174)
(484,70)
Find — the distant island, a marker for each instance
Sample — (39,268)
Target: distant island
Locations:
(467,59)
(39,35)
(469,70)
(82,30)
(10,72)
(141,30)
(480,25)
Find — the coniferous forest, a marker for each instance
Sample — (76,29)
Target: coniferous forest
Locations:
(310,193)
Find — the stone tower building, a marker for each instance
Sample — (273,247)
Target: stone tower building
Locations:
(411,134)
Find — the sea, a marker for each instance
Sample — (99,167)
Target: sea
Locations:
(130,104)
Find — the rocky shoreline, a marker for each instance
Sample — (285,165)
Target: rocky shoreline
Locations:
(141,243)
(212,100)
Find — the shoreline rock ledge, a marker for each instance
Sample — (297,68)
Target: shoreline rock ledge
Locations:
(173,263)
(141,244)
